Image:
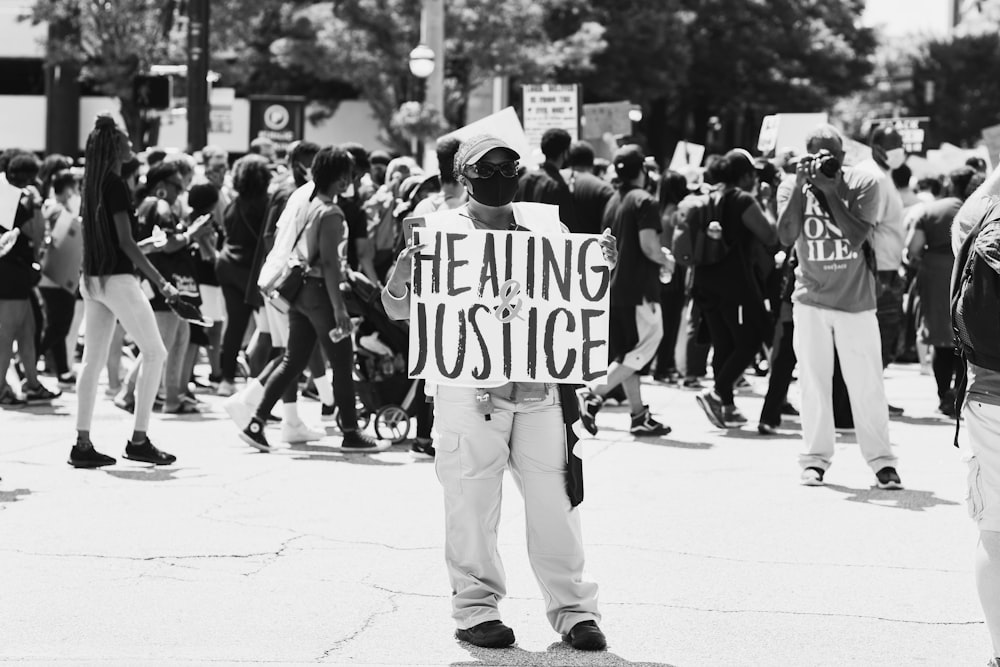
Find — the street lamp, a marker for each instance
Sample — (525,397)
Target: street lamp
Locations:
(422,61)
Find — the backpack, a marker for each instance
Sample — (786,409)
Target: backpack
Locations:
(975,301)
(692,245)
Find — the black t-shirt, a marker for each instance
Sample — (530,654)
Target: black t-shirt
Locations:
(357,226)
(18,273)
(115,198)
(727,280)
(635,276)
(546,186)
(590,195)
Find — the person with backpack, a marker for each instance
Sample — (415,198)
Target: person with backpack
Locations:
(716,235)
(635,325)
(828,213)
(975,312)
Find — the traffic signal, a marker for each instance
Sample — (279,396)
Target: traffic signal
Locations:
(151,92)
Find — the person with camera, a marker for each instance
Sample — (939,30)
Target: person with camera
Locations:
(828,213)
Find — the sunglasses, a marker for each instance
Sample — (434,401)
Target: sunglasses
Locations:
(487,169)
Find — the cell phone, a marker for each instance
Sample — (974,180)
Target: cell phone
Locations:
(409,224)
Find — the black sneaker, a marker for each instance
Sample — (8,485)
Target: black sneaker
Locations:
(590,404)
(712,405)
(488,634)
(39,394)
(422,448)
(83,455)
(586,636)
(253,435)
(147,452)
(643,424)
(888,478)
(895,411)
(328,412)
(356,441)
(789,410)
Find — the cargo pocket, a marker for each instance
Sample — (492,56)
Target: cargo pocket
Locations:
(975,493)
(448,462)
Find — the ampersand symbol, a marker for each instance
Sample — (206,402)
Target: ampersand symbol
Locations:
(508,310)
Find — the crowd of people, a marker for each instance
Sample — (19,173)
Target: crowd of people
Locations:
(171,263)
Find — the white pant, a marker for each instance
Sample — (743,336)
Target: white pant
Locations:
(471,455)
(120,299)
(859,346)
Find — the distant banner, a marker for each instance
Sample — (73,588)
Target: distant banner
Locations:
(280,118)
(492,307)
(912,129)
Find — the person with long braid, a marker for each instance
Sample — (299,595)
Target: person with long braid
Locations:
(111,293)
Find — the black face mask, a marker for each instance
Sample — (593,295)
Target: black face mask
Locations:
(497,190)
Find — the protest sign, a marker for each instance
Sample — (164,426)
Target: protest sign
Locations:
(64,256)
(550,106)
(913,130)
(503,125)
(492,307)
(606,118)
(784,131)
(686,155)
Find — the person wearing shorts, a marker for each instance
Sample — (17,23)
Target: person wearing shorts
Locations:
(635,325)
(981,442)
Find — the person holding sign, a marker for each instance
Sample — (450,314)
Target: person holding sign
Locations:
(111,292)
(482,428)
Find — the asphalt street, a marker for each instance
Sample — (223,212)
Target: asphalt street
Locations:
(706,548)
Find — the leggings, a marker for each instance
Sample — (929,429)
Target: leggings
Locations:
(238,314)
(59,305)
(119,299)
(944,362)
(734,343)
(311,318)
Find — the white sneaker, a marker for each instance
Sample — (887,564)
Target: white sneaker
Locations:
(238,411)
(226,388)
(299,433)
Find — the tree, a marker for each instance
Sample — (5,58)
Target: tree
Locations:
(114,42)
(960,75)
(750,59)
(365,43)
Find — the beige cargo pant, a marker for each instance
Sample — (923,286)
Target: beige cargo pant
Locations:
(472,453)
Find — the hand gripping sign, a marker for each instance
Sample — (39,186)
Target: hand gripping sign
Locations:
(493,307)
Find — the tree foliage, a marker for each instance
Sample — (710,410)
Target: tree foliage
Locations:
(366,43)
(966,92)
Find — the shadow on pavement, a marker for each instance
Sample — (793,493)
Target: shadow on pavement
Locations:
(904,499)
(558,654)
(306,452)
(925,421)
(150,474)
(752,434)
(661,441)
(13,495)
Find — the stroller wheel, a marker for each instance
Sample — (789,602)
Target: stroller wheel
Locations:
(392,423)
(364,418)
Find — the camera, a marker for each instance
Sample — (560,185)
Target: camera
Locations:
(825,162)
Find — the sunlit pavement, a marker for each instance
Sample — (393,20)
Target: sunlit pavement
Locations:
(706,548)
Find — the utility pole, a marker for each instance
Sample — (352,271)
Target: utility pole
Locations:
(197,74)
(432,34)
(62,92)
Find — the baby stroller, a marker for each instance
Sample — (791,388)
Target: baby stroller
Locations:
(380,366)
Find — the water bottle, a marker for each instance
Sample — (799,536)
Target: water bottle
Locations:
(714,230)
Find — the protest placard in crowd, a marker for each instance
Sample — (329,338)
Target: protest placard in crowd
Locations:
(491,307)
